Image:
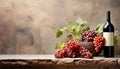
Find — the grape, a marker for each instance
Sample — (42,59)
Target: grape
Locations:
(60,54)
(98,42)
(88,36)
(85,53)
(72,49)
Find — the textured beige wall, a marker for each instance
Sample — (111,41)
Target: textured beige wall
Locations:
(25,25)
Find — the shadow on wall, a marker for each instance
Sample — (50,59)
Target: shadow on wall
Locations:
(15,39)
(115,3)
(7,34)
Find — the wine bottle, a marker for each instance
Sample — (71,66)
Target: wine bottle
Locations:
(108,34)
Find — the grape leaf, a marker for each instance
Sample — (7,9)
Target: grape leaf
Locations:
(80,22)
(88,28)
(116,38)
(70,36)
(71,26)
(99,28)
(63,29)
(77,37)
(77,29)
(85,29)
(61,45)
(58,33)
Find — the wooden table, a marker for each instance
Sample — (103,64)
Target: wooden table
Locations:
(49,61)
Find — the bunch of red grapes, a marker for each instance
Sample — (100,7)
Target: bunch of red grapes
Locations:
(88,36)
(98,42)
(73,49)
(97,39)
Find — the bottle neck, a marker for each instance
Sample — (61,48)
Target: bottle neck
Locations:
(108,17)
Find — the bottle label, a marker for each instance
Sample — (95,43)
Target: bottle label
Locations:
(109,38)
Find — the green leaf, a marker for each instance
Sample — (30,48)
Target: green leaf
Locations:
(57,46)
(63,29)
(115,40)
(77,29)
(81,22)
(70,36)
(99,28)
(77,37)
(58,33)
(87,28)
(61,45)
(71,26)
